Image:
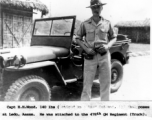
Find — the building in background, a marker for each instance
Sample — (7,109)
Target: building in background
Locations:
(137,31)
(16,18)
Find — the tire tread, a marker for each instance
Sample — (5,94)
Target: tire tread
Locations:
(18,84)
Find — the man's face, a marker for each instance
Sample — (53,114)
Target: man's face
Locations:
(96,10)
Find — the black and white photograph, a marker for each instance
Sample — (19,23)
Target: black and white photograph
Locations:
(83,53)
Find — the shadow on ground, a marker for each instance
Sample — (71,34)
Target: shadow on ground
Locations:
(72,92)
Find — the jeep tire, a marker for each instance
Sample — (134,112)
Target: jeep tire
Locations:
(116,75)
(29,88)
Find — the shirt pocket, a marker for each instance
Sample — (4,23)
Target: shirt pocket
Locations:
(102,34)
(90,36)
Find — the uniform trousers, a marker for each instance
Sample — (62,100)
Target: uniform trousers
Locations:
(103,63)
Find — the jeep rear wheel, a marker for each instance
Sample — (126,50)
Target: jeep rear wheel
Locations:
(116,75)
(29,88)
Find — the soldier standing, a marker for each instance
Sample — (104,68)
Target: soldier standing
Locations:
(99,37)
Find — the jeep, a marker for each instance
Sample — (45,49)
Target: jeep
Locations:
(52,59)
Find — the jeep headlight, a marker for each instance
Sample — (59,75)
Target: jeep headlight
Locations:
(19,61)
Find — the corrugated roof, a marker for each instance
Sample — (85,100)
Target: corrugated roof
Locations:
(28,4)
(141,23)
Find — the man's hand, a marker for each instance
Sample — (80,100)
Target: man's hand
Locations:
(90,51)
(104,47)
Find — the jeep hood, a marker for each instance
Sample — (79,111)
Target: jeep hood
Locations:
(35,53)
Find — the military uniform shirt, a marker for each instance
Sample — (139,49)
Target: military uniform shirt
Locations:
(101,32)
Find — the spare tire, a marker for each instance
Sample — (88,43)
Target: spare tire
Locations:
(29,88)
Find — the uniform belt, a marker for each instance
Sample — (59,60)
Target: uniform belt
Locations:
(103,53)
(90,57)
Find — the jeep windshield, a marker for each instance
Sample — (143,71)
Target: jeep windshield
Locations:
(53,27)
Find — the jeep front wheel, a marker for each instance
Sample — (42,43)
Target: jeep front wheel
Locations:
(29,88)
(116,75)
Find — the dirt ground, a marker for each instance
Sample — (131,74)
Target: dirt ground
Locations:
(134,47)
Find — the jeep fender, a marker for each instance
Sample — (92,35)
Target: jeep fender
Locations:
(119,56)
(38,65)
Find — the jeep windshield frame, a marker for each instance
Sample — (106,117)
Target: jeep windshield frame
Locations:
(65,28)
(54,27)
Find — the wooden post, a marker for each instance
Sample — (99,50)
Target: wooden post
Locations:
(1,27)
(41,14)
